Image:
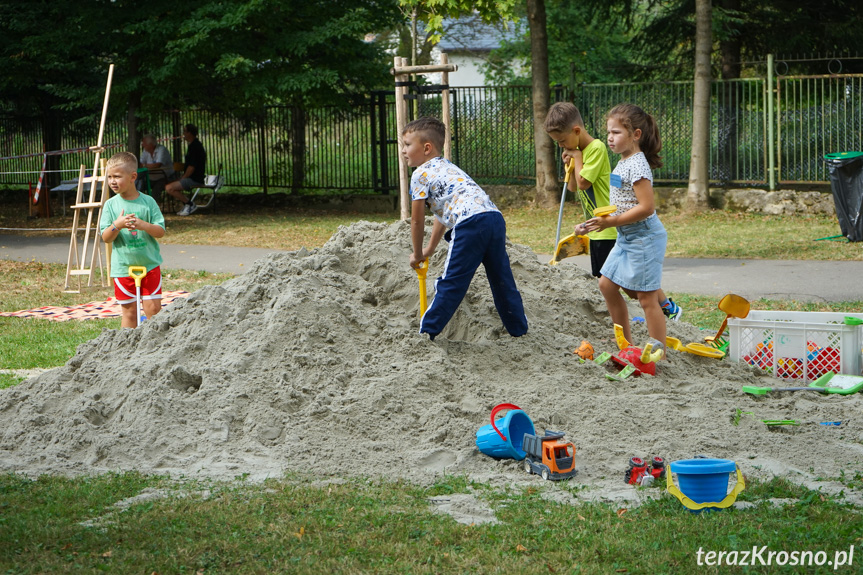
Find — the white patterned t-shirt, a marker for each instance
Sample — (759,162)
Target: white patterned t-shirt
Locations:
(625,174)
(450,193)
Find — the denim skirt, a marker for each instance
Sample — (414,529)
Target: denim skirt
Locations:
(635,261)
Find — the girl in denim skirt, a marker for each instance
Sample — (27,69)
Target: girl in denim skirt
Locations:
(635,262)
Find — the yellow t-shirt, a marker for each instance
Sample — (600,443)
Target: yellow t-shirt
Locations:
(597,170)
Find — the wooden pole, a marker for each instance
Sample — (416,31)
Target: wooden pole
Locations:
(401,71)
(73,241)
(447,142)
(425,69)
(401,122)
(104,111)
(97,244)
(94,181)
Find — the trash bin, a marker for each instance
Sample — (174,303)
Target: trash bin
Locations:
(846,181)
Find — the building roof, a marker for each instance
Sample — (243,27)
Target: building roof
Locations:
(471,34)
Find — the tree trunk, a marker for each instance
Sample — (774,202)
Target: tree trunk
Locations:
(52,140)
(546,174)
(133,139)
(698,191)
(729,105)
(298,148)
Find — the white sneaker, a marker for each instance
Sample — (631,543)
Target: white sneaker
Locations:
(192,208)
(187,209)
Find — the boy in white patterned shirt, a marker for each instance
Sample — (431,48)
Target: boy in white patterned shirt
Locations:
(470,222)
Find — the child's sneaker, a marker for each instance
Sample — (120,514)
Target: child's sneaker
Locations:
(188,209)
(672,311)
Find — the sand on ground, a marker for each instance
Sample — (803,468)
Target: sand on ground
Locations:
(312,362)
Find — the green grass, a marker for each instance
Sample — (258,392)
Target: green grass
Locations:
(294,525)
(61,525)
(26,343)
(701,310)
(245,221)
(8,380)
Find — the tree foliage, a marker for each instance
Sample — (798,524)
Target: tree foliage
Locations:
(750,30)
(433,12)
(584,45)
(222,54)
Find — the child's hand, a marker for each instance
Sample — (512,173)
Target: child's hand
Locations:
(596,224)
(567,155)
(416,261)
(122,220)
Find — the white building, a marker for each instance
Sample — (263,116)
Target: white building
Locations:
(467,43)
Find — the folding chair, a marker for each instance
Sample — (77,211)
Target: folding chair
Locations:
(212,183)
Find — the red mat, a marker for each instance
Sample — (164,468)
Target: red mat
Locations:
(92,310)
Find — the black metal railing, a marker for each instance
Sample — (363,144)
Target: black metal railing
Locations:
(353,147)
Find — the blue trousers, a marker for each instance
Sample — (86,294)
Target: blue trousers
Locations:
(480,239)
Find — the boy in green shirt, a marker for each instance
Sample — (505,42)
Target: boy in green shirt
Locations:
(132,222)
(591,180)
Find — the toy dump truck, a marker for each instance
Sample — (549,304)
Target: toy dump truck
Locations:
(549,456)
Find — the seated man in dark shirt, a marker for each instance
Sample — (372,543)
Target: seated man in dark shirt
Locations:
(193,173)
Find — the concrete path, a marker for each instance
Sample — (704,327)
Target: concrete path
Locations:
(808,280)
(753,279)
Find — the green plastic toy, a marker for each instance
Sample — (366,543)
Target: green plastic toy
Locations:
(827,383)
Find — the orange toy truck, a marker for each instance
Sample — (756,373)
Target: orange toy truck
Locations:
(549,456)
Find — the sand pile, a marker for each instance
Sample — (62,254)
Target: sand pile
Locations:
(312,362)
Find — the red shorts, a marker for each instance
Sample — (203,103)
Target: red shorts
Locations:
(151,287)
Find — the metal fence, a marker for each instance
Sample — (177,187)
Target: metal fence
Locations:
(353,147)
(816,115)
(737,141)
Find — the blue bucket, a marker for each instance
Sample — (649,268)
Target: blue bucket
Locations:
(505,442)
(704,480)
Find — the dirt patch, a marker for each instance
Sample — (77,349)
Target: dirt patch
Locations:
(312,362)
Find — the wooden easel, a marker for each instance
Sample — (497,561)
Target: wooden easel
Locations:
(76,266)
(402,71)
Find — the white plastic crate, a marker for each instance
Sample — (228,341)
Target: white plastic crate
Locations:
(797,345)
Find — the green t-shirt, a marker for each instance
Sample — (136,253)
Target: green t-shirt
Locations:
(133,247)
(596,170)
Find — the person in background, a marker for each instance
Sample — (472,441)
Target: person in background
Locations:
(157,159)
(193,171)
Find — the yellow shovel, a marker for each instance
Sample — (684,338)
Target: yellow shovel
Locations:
(568,172)
(694,348)
(571,245)
(574,245)
(138,273)
(421,276)
(733,306)
(603,211)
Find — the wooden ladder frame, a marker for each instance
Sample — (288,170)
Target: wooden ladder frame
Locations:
(92,207)
(75,265)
